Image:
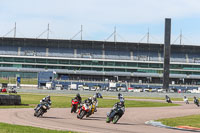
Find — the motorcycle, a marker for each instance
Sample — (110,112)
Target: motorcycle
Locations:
(41,109)
(84,109)
(92,109)
(74,105)
(186,100)
(196,101)
(168,100)
(115,114)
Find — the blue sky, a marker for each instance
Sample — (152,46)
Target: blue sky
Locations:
(132,19)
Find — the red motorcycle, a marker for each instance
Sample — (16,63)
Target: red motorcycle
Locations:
(83,111)
(74,105)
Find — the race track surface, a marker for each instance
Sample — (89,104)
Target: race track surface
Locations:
(133,121)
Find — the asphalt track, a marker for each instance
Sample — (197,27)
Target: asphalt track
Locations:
(133,121)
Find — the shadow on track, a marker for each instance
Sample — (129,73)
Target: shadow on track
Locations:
(51,117)
(125,124)
(95,118)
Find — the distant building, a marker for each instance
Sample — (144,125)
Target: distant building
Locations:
(98,60)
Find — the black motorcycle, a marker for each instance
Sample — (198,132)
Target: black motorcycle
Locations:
(115,114)
(41,109)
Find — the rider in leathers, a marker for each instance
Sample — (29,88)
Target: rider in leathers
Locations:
(44,100)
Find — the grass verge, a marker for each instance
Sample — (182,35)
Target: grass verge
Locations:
(31,100)
(192,121)
(9,128)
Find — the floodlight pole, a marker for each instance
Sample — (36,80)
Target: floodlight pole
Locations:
(167,52)
(115,34)
(15,29)
(181,37)
(48,31)
(81,32)
(148,36)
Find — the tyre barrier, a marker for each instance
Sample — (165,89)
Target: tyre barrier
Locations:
(10,99)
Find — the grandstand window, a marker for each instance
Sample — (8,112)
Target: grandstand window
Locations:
(109,63)
(120,63)
(41,66)
(108,69)
(131,70)
(17,65)
(176,66)
(120,70)
(8,59)
(19,59)
(7,65)
(86,62)
(52,61)
(147,71)
(155,65)
(131,64)
(97,69)
(63,61)
(144,65)
(40,60)
(99,63)
(83,68)
(30,60)
(28,66)
(75,62)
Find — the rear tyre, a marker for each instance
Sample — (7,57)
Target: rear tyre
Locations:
(107,120)
(115,119)
(72,109)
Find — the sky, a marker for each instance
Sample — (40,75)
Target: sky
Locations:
(132,19)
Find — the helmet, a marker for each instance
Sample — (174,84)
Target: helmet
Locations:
(95,96)
(78,95)
(48,97)
(119,94)
(122,102)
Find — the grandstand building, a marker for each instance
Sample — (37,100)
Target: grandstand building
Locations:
(98,60)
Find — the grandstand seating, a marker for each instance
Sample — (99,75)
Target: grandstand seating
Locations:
(98,54)
(194,58)
(178,57)
(6,50)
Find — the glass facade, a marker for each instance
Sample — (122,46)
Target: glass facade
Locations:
(97,65)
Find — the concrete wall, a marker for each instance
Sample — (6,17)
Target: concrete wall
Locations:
(10,99)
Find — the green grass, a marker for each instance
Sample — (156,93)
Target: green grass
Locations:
(32,81)
(193,120)
(158,98)
(60,101)
(9,128)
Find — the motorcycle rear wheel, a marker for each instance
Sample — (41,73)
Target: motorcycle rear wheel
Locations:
(107,120)
(72,109)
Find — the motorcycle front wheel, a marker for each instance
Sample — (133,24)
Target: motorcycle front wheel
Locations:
(82,114)
(115,119)
(39,113)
